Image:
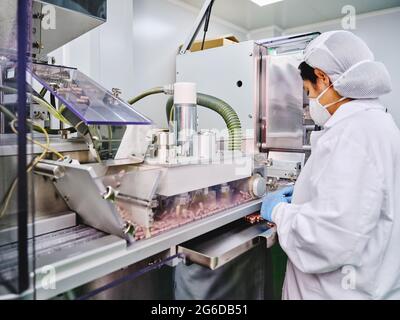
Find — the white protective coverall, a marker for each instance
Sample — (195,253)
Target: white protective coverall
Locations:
(342,230)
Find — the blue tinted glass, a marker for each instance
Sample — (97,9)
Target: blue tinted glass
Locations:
(93,104)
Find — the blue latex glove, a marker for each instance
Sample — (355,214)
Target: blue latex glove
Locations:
(273,199)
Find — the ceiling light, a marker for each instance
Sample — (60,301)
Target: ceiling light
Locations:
(263,3)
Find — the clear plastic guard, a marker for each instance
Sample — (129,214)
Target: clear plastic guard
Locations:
(89,101)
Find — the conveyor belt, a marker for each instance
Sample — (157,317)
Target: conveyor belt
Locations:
(45,245)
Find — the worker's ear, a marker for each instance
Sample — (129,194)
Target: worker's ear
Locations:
(322,76)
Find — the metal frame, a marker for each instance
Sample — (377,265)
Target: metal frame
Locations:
(22,188)
(115,255)
(278,41)
(42,226)
(2,117)
(260,116)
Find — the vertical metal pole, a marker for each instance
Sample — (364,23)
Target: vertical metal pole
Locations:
(2,117)
(23,263)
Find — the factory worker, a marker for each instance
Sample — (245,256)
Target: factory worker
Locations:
(341,229)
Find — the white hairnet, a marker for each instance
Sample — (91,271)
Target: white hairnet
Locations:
(350,65)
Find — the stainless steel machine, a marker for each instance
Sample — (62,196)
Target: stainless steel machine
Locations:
(122,191)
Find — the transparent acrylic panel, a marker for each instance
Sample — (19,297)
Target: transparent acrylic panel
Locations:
(282,91)
(284,108)
(16,205)
(147,214)
(85,98)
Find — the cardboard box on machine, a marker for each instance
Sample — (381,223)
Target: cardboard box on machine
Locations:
(214,43)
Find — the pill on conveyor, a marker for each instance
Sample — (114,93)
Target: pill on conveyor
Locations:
(64,90)
(82,101)
(75,88)
(178,211)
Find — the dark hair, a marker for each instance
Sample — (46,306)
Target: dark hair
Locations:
(307,72)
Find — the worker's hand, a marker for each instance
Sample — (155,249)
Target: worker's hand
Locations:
(273,199)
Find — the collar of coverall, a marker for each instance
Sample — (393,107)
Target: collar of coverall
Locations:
(351,108)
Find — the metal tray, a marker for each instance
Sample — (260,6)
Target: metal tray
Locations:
(217,248)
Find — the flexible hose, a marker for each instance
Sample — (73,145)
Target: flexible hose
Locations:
(10,116)
(229,115)
(145,94)
(46,148)
(41,102)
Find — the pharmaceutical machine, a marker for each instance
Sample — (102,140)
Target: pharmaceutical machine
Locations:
(107,189)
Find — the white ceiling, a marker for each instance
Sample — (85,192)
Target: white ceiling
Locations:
(289,13)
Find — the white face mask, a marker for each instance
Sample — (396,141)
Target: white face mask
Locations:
(318,112)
